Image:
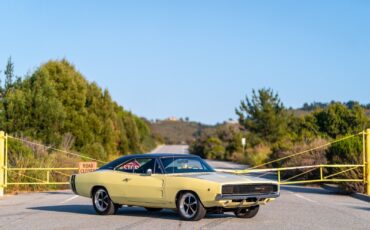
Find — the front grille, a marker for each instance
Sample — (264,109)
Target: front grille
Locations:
(73,184)
(249,189)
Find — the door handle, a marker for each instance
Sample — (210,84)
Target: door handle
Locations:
(126,179)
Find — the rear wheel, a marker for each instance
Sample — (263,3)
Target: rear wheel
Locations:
(102,203)
(249,212)
(189,207)
(153,209)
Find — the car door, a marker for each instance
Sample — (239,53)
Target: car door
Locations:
(139,186)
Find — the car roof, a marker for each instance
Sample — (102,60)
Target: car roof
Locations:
(161,155)
(122,159)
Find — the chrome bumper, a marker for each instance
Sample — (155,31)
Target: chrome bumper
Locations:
(244,197)
(72,184)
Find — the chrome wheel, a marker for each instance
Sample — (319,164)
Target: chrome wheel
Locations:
(101,200)
(188,205)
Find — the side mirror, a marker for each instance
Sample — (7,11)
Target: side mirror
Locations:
(149,172)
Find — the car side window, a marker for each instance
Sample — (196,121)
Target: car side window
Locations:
(145,164)
(182,165)
(157,168)
(140,166)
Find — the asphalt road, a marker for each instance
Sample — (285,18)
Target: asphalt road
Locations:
(181,149)
(296,208)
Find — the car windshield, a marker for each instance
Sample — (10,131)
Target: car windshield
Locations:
(185,165)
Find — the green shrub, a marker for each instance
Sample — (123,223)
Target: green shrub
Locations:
(347,152)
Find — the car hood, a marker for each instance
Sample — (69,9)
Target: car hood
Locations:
(225,178)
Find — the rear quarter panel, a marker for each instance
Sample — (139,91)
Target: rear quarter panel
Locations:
(108,179)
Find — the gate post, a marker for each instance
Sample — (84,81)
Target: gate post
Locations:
(367,162)
(2,163)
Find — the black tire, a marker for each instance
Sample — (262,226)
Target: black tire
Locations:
(154,209)
(102,203)
(249,212)
(189,207)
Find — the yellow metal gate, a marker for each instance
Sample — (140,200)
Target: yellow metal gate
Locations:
(331,178)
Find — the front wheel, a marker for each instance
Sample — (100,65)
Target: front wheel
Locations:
(249,212)
(102,203)
(189,207)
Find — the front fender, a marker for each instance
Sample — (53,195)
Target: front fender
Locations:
(205,190)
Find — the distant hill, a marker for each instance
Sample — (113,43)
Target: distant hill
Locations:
(309,107)
(315,105)
(174,131)
(179,131)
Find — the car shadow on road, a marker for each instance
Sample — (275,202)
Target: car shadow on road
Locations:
(141,212)
(72,208)
(132,211)
(164,214)
(304,189)
(362,208)
(59,192)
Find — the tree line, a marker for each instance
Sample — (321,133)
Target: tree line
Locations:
(55,105)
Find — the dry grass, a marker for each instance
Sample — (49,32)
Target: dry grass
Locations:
(253,156)
(314,157)
(29,156)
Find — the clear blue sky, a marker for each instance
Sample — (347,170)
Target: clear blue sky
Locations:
(198,58)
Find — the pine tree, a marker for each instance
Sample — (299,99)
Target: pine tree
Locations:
(9,74)
(264,115)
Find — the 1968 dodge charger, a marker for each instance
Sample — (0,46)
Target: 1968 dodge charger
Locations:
(181,182)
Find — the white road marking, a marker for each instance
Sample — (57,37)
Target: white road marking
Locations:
(305,198)
(69,199)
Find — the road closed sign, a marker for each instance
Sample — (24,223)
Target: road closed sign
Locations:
(85,167)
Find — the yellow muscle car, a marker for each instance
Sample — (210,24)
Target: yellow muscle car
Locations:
(181,182)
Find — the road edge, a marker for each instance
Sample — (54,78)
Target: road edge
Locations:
(356,195)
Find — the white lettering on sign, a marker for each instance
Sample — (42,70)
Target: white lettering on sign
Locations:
(85,167)
(131,165)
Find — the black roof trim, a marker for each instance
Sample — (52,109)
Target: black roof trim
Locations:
(120,160)
(161,155)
